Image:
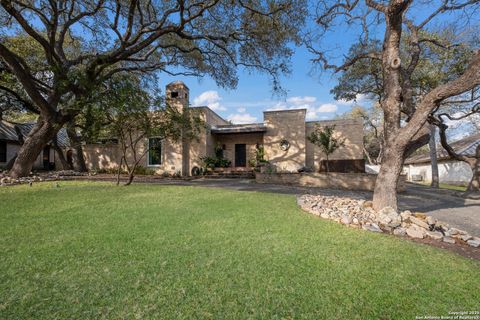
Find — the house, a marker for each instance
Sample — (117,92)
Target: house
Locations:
(11,138)
(418,167)
(283,134)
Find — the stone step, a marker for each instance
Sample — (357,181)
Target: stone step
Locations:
(231,174)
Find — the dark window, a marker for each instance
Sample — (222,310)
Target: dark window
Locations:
(174,94)
(3,151)
(155,151)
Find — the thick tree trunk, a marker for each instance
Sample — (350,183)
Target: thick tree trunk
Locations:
(41,134)
(474,185)
(61,156)
(385,193)
(433,157)
(76,142)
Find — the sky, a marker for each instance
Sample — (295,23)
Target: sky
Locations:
(253,95)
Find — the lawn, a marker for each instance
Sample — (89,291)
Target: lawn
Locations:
(97,251)
(448,186)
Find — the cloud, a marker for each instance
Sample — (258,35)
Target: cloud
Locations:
(242,118)
(314,109)
(301,101)
(211,99)
(360,99)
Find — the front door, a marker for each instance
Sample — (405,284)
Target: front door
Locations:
(240,155)
(46,158)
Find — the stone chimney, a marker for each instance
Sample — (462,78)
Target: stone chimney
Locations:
(177,95)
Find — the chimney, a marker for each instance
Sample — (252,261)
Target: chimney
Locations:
(177,95)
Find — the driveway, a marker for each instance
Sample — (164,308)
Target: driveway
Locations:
(442,204)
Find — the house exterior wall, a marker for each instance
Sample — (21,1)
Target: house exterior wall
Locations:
(451,172)
(14,148)
(288,125)
(351,130)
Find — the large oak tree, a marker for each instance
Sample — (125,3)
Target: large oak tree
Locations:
(406,110)
(199,37)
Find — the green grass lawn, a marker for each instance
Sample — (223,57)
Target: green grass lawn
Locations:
(448,186)
(97,251)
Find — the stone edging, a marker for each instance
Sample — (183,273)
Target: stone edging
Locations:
(360,214)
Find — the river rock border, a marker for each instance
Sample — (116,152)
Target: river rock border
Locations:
(5,180)
(359,213)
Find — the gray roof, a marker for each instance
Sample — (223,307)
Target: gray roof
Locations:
(239,128)
(466,146)
(10,131)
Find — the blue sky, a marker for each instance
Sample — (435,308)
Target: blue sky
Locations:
(253,95)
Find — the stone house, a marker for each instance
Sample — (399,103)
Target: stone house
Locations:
(418,167)
(283,134)
(11,138)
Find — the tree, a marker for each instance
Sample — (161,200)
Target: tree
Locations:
(134,114)
(323,137)
(472,102)
(373,132)
(114,36)
(432,144)
(398,92)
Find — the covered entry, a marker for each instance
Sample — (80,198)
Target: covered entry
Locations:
(239,142)
(240,155)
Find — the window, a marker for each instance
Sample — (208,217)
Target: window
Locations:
(3,151)
(155,151)
(174,94)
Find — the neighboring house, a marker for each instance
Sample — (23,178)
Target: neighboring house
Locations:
(12,136)
(418,167)
(283,134)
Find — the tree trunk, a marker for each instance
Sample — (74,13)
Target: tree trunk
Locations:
(41,134)
(474,185)
(385,193)
(79,159)
(61,156)
(433,157)
(131,175)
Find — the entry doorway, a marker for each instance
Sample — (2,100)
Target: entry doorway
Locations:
(240,155)
(46,158)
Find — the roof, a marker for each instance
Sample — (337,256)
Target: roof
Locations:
(10,131)
(466,146)
(7,131)
(239,128)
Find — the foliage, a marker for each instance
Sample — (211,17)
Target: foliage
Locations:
(83,44)
(323,137)
(132,115)
(217,160)
(157,252)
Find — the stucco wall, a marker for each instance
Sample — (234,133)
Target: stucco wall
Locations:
(12,150)
(229,140)
(349,181)
(288,125)
(453,172)
(351,130)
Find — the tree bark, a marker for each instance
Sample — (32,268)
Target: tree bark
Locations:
(76,142)
(385,192)
(433,157)
(474,185)
(61,156)
(41,134)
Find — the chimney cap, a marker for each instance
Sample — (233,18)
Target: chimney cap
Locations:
(177,83)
